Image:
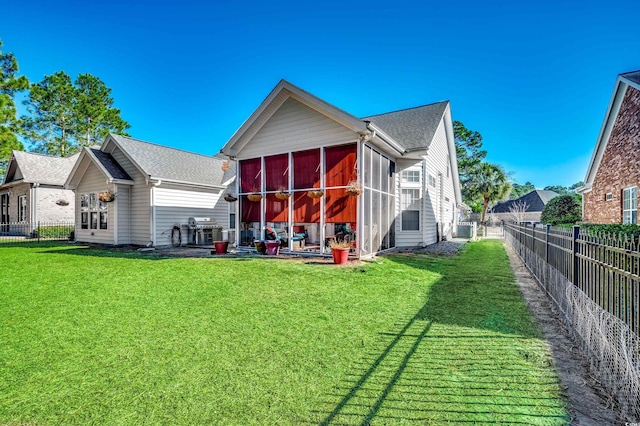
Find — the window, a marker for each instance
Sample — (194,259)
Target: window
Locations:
(94,214)
(22,208)
(410,209)
(412,176)
(432,180)
(630,205)
(608,196)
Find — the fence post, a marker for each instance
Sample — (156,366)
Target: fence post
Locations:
(546,243)
(574,272)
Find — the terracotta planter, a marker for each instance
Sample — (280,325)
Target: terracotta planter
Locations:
(340,255)
(221,246)
(261,248)
(272,247)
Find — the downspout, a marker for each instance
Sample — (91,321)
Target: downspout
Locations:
(33,196)
(152,241)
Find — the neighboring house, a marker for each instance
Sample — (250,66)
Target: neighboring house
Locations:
(527,208)
(154,188)
(32,192)
(610,192)
(294,142)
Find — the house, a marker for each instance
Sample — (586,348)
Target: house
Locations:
(299,146)
(610,192)
(32,192)
(527,208)
(132,192)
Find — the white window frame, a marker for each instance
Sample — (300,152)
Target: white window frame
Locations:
(22,208)
(411,176)
(410,203)
(432,180)
(94,214)
(630,205)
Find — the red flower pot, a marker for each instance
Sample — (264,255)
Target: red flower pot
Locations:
(272,247)
(340,255)
(221,246)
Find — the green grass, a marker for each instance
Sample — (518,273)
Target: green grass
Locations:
(101,337)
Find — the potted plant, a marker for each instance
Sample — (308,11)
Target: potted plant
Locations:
(354,188)
(261,247)
(255,195)
(340,251)
(106,196)
(282,193)
(221,246)
(315,193)
(230,198)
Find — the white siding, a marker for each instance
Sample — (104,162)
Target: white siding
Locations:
(435,208)
(94,181)
(140,202)
(46,208)
(408,238)
(295,127)
(437,163)
(176,206)
(123,211)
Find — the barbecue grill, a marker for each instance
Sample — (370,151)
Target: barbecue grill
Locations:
(204,230)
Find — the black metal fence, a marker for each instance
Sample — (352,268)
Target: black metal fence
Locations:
(594,281)
(18,232)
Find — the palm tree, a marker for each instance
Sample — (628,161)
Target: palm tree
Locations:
(490,182)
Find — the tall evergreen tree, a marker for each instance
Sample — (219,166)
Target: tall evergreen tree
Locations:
(66,115)
(10,84)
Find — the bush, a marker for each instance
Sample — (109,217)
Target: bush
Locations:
(612,228)
(560,210)
(55,231)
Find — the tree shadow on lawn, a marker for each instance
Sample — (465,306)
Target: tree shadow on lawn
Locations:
(466,356)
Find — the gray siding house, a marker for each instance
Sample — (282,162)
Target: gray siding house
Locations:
(32,192)
(133,192)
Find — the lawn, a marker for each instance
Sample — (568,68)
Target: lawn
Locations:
(104,337)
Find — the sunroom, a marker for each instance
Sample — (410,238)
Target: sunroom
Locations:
(311,197)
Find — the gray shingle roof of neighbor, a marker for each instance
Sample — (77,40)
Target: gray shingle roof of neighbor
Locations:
(161,162)
(412,128)
(536,200)
(633,76)
(44,169)
(110,164)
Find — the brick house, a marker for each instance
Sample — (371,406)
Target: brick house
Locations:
(610,192)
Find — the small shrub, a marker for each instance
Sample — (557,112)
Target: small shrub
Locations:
(560,210)
(612,228)
(54,231)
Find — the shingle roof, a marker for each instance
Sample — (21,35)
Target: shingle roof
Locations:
(110,164)
(412,128)
(536,200)
(633,76)
(161,162)
(44,169)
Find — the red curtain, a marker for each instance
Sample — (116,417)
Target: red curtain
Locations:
(340,207)
(250,175)
(306,169)
(277,210)
(305,209)
(250,210)
(340,163)
(276,171)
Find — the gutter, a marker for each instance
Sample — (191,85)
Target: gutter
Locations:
(386,138)
(156,181)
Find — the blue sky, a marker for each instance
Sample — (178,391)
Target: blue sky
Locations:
(534,78)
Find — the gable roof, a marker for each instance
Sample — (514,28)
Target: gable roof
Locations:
(535,200)
(39,168)
(623,83)
(157,162)
(283,91)
(412,128)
